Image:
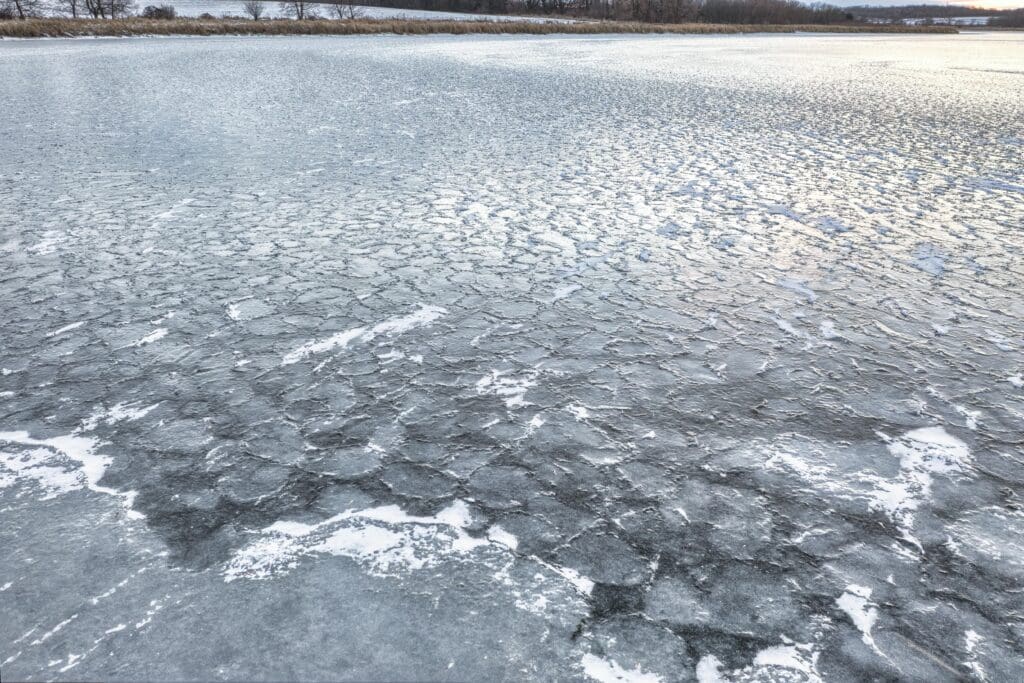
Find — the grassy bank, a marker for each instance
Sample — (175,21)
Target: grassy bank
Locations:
(48,28)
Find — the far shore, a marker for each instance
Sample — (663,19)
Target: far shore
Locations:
(137,26)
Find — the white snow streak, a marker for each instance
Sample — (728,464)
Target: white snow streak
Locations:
(384,539)
(66,328)
(422,317)
(856,602)
(153,336)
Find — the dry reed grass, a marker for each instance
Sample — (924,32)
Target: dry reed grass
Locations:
(137,26)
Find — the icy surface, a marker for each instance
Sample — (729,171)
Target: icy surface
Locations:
(611,359)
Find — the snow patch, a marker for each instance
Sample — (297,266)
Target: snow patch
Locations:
(121,412)
(798,657)
(422,317)
(59,465)
(66,328)
(786,663)
(63,464)
(386,540)
(579,412)
(971,417)
(971,642)
(47,245)
(563,292)
(709,670)
(828,330)
(856,602)
(609,671)
(581,583)
(155,335)
(922,453)
(512,389)
(499,535)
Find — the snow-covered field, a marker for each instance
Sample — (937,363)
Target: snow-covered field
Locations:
(195,8)
(612,359)
(954,21)
(969,22)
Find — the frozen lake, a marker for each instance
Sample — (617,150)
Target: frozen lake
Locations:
(616,359)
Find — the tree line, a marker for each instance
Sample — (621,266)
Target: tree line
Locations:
(97,9)
(653,11)
(656,11)
(1013,18)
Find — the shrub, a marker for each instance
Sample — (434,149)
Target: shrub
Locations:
(159,12)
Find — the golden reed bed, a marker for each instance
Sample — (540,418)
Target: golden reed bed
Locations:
(137,26)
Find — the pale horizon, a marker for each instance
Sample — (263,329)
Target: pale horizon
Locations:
(896,3)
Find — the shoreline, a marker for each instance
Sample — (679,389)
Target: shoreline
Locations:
(137,26)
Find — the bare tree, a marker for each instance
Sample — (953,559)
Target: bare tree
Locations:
(69,7)
(109,9)
(254,8)
(298,10)
(120,8)
(23,9)
(345,10)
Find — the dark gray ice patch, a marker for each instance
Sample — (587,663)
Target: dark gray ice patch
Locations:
(605,559)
